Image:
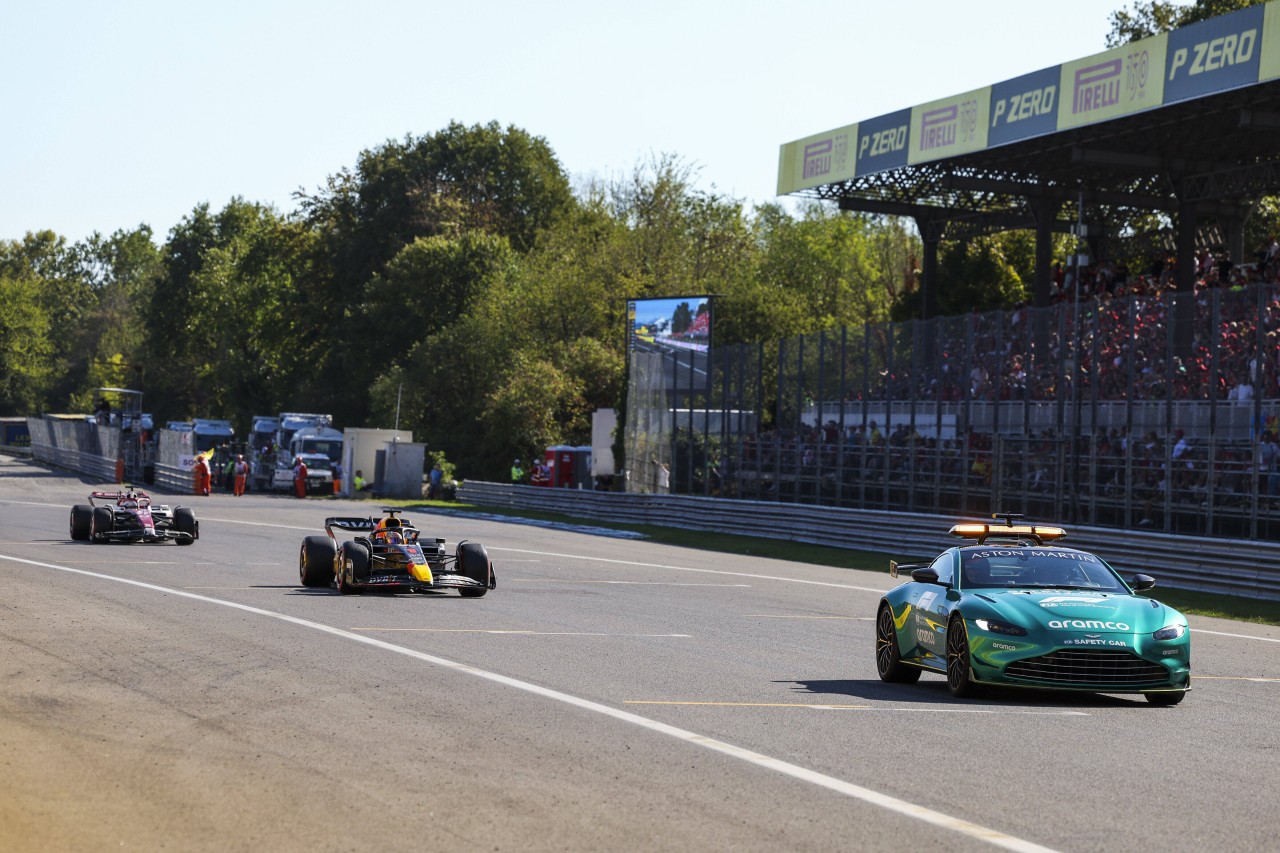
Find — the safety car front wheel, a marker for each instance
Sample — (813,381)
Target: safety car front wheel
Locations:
(959,663)
(889,663)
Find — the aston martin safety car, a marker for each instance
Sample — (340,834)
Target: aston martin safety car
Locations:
(1013,607)
(391,554)
(130,516)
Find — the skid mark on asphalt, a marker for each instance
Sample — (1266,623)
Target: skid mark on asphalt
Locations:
(786,768)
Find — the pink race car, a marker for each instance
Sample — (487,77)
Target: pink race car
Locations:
(133,518)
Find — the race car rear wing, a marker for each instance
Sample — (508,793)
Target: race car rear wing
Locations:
(142,497)
(349,523)
(368,525)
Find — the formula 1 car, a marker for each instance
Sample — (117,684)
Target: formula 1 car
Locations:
(1013,608)
(133,518)
(393,556)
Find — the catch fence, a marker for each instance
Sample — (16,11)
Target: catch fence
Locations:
(1153,412)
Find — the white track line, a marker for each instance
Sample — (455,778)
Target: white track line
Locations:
(1240,636)
(839,786)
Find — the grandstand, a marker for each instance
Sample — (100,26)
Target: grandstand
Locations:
(1131,398)
(1183,124)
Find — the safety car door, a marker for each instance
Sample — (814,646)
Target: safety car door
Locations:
(931,610)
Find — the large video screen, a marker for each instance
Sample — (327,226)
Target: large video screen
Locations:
(672,323)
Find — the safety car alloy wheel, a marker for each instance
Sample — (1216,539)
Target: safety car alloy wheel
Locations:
(888,656)
(959,667)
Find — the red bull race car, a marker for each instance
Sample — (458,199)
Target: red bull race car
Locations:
(130,516)
(391,554)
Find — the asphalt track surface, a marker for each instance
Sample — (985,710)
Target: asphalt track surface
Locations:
(609,695)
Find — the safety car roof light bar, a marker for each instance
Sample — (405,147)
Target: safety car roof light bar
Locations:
(981,531)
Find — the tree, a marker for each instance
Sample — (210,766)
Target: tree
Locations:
(505,182)
(1150,18)
(26,351)
(819,272)
(121,272)
(425,288)
(224,331)
(973,275)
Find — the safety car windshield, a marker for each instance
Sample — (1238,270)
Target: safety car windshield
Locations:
(998,567)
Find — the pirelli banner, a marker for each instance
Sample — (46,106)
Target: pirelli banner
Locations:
(1223,53)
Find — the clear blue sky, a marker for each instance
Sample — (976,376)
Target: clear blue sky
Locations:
(131,112)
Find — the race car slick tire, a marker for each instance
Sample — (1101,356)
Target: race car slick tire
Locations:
(1166,699)
(81,521)
(354,567)
(184,521)
(473,561)
(315,561)
(102,523)
(959,663)
(889,663)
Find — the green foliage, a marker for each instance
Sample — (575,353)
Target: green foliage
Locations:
(974,275)
(121,272)
(817,272)
(447,469)
(535,405)
(66,301)
(25,346)
(426,287)
(1145,19)
(227,335)
(1263,226)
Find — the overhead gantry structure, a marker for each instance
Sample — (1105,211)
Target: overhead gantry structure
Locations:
(1185,124)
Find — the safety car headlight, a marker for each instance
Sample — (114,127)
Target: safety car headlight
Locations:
(995,626)
(1170,632)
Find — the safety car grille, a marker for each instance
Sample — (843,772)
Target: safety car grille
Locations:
(1095,667)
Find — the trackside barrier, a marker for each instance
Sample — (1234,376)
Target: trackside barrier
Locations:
(1250,569)
(93,450)
(80,446)
(175,478)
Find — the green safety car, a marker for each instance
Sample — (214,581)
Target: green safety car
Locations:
(1013,607)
